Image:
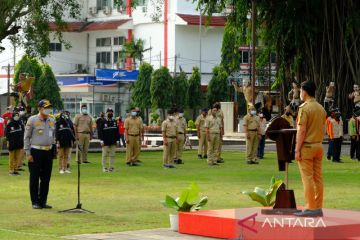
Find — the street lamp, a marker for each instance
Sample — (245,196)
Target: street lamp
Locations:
(253,13)
(8,68)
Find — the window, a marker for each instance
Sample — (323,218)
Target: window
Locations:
(118,41)
(103,57)
(116,57)
(103,42)
(244,57)
(55,47)
(100,4)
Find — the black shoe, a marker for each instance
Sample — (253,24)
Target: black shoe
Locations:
(46,206)
(86,162)
(179,161)
(134,164)
(176,161)
(128,163)
(36,206)
(20,169)
(329,158)
(254,162)
(220,160)
(310,213)
(171,166)
(199,156)
(205,156)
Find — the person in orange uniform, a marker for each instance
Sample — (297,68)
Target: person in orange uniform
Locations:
(309,151)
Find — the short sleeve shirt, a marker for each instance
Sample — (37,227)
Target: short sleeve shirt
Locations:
(251,122)
(83,123)
(169,127)
(133,126)
(213,124)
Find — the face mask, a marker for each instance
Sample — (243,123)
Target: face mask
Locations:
(261,115)
(356,88)
(110,115)
(332,84)
(47,111)
(84,110)
(181,114)
(133,114)
(253,112)
(22,113)
(16,118)
(171,118)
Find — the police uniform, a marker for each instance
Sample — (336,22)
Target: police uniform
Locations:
(312,116)
(181,128)
(220,114)
(252,123)
(203,146)
(83,124)
(14,133)
(64,139)
(109,136)
(133,127)
(39,142)
(170,132)
(140,139)
(213,126)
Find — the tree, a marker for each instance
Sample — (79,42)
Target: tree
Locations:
(32,18)
(195,94)
(161,89)
(134,50)
(180,90)
(32,67)
(141,96)
(317,40)
(218,87)
(49,89)
(230,54)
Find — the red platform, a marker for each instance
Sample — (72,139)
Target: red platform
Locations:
(249,223)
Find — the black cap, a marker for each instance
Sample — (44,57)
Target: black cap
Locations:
(180,110)
(44,103)
(109,110)
(309,87)
(170,111)
(204,110)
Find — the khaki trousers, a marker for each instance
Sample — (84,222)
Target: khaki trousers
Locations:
(63,155)
(203,144)
(132,148)
(169,151)
(213,147)
(84,142)
(180,146)
(252,145)
(311,174)
(108,152)
(219,150)
(14,158)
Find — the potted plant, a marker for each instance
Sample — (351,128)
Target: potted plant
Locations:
(187,202)
(265,197)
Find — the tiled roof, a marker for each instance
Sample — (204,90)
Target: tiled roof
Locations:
(215,21)
(89,26)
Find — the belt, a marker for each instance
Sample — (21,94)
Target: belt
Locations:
(45,148)
(312,142)
(253,130)
(133,135)
(214,133)
(171,136)
(84,132)
(180,133)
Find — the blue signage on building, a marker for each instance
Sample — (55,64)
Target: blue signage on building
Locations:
(116,75)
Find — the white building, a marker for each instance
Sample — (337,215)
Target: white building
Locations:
(96,39)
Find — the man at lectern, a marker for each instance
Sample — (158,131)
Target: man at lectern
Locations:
(309,150)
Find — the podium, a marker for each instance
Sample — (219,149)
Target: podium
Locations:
(280,131)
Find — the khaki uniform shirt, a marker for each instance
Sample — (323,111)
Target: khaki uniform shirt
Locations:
(181,124)
(170,128)
(213,124)
(200,121)
(289,119)
(83,123)
(251,122)
(313,116)
(39,132)
(133,126)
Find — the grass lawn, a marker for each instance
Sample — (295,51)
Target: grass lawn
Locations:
(129,198)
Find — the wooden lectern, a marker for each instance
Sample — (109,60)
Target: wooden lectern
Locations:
(280,131)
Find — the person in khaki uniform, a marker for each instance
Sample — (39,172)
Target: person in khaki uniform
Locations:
(133,131)
(181,128)
(137,110)
(220,114)
(309,151)
(201,133)
(288,116)
(214,130)
(169,131)
(83,132)
(252,131)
